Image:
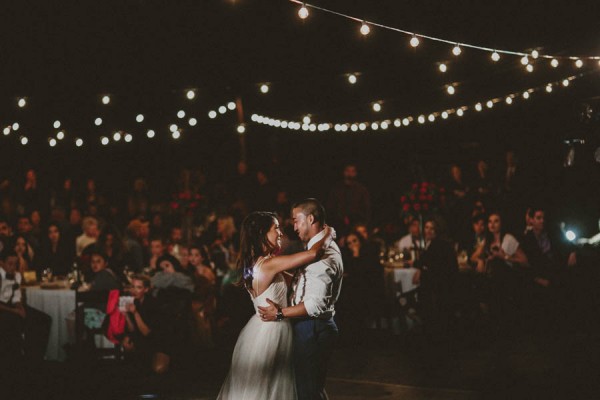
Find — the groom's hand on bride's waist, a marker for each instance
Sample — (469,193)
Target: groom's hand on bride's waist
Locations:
(269,313)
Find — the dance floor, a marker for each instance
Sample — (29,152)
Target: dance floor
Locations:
(542,364)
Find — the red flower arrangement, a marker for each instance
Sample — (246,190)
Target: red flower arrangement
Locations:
(186,201)
(422,197)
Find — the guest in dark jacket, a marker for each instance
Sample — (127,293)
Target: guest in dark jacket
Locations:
(56,253)
(104,278)
(437,271)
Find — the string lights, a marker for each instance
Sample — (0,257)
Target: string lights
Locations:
(414,41)
(308,126)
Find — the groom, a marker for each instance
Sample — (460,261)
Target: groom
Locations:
(316,288)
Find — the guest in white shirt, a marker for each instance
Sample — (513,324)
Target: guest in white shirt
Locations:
(90,234)
(24,330)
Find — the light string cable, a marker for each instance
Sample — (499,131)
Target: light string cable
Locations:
(535,54)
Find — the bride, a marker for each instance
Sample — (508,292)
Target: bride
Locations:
(261,366)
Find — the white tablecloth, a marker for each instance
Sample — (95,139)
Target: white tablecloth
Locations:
(57,303)
(398,280)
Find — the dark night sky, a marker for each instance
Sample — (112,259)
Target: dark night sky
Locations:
(63,54)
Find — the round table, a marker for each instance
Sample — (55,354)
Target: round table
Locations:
(57,303)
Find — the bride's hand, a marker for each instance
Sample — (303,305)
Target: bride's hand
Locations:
(329,236)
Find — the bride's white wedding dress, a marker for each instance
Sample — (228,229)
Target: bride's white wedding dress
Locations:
(261,366)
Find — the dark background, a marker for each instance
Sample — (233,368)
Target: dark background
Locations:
(63,55)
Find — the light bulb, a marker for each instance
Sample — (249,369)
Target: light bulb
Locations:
(414,41)
(374,126)
(128,137)
(222,109)
(397,123)
(60,135)
(24,140)
(460,112)
(241,129)
(212,114)
(478,107)
(15,126)
(554,63)
(450,89)
(405,121)
(139,118)
(56,124)
(579,63)
(181,114)
(431,117)
(52,142)
(495,56)
(549,88)
(78,142)
(190,94)
(535,54)
(173,127)
(565,82)
(6,130)
(364,29)
(509,100)
(264,88)
(231,105)
(490,104)
(117,136)
(352,79)
(192,121)
(105,99)
(443,67)
(150,133)
(306,120)
(22,102)
(98,121)
(529,68)
(525,95)
(525,60)
(176,135)
(421,119)
(104,140)
(456,50)
(303,12)
(445,115)
(376,107)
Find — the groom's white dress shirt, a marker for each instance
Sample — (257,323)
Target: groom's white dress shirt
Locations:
(319,284)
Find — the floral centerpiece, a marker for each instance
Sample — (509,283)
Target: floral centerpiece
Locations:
(186,202)
(422,198)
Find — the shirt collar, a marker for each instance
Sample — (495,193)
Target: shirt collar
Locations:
(315,239)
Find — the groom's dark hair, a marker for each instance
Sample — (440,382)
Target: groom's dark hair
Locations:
(312,207)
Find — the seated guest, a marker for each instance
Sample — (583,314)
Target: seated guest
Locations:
(104,278)
(544,256)
(143,337)
(55,252)
(89,235)
(24,252)
(436,272)
(411,243)
(501,258)
(171,275)
(200,261)
(110,243)
(24,330)
(473,241)
(157,250)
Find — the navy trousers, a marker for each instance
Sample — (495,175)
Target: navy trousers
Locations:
(314,340)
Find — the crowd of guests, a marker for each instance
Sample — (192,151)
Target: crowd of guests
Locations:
(177,254)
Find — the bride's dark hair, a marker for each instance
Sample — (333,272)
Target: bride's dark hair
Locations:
(254,243)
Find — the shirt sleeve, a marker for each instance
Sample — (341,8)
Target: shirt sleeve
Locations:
(319,278)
